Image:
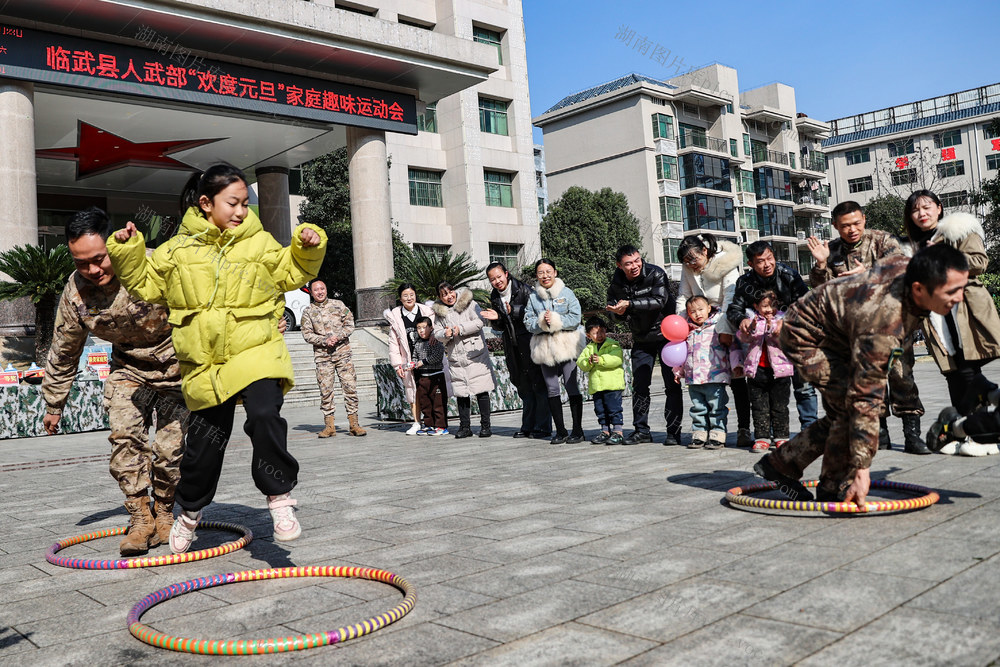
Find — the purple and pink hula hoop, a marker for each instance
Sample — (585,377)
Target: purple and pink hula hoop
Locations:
(740,497)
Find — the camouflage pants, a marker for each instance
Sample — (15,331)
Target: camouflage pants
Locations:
(135,462)
(337,361)
(904,398)
(830,436)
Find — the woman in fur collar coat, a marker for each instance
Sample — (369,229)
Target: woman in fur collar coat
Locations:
(458,325)
(553,317)
(711,269)
(968,338)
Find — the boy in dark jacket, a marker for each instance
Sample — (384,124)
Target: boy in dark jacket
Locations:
(428,371)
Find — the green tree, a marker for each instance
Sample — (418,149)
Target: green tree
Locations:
(426,270)
(40,277)
(327,204)
(581,232)
(885,212)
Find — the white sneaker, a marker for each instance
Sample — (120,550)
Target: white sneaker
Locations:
(970,448)
(992,449)
(286,526)
(182,532)
(413,429)
(950,449)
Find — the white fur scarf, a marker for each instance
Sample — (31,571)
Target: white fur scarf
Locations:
(555,346)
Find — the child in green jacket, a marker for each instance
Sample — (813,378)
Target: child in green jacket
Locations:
(602,360)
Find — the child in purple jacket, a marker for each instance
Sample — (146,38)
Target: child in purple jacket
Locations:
(708,368)
(769,374)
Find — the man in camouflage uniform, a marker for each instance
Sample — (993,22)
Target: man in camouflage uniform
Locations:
(856,250)
(841,337)
(145,378)
(327,324)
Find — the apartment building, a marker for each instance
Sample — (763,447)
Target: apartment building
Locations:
(944,144)
(693,154)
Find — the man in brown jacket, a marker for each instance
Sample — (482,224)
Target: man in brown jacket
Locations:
(145,377)
(854,251)
(842,337)
(328,324)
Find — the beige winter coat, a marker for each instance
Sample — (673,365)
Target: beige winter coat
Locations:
(975,317)
(468,357)
(716,282)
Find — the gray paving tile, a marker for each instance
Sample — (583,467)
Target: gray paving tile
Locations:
(676,610)
(521,615)
(661,568)
(784,566)
(842,600)
(567,644)
(972,593)
(529,545)
(528,574)
(740,640)
(46,606)
(891,640)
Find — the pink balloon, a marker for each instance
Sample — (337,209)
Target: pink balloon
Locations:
(674,328)
(674,354)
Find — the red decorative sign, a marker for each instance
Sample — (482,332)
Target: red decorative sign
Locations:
(97,358)
(947,153)
(902,162)
(35,55)
(996,144)
(9,379)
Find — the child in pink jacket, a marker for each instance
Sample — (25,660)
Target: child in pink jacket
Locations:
(769,374)
(708,369)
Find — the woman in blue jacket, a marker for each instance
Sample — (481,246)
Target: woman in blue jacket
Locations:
(553,317)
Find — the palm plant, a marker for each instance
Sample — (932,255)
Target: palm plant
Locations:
(426,269)
(40,277)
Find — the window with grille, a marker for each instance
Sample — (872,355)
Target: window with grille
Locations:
(904,176)
(670,209)
(951,168)
(499,188)
(425,187)
(860,184)
(507,254)
(949,138)
(858,155)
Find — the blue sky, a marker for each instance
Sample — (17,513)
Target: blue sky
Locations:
(866,55)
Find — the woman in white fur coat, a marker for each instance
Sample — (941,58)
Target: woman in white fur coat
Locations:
(553,317)
(460,327)
(402,336)
(711,269)
(971,339)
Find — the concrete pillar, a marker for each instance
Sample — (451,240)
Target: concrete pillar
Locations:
(272,198)
(368,172)
(19,212)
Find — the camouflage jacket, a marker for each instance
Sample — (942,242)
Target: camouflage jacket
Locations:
(138,333)
(322,320)
(873,246)
(860,320)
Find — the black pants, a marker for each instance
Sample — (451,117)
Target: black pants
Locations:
(274,470)
(465,410)
(535,417)
(741,397)
(644,357)
(769,402)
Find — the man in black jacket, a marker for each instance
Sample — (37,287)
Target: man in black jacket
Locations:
(767,274)
(640,294)
(509,298)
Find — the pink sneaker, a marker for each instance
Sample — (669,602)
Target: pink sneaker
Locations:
(761,445)
(182,532)
(286,526)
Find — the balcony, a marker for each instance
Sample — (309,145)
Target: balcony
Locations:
(767,114)
(814,162)
(774,157)
(811,127)
(815,201)
(691,140)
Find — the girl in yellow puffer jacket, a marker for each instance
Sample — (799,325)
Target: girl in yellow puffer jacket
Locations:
(221,276)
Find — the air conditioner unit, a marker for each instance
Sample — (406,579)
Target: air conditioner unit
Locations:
(750,235)
(800,236)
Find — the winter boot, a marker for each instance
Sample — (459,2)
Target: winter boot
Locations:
(330,429)
(911,433)
(163,517)
(576,412)
(556,408)
(141,535)
(483,401)
(355,429)
(883,434)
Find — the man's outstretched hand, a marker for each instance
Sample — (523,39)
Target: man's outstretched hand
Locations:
(857,492)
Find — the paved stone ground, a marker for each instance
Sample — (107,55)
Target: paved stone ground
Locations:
(521,553)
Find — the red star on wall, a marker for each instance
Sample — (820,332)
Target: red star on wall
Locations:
(99,151)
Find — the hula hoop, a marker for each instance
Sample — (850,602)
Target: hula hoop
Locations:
(146,561)
(925,498)
(146,634)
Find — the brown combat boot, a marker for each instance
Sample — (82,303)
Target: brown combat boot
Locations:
(163,517)
(141,535)
(330,430)
(355,426)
